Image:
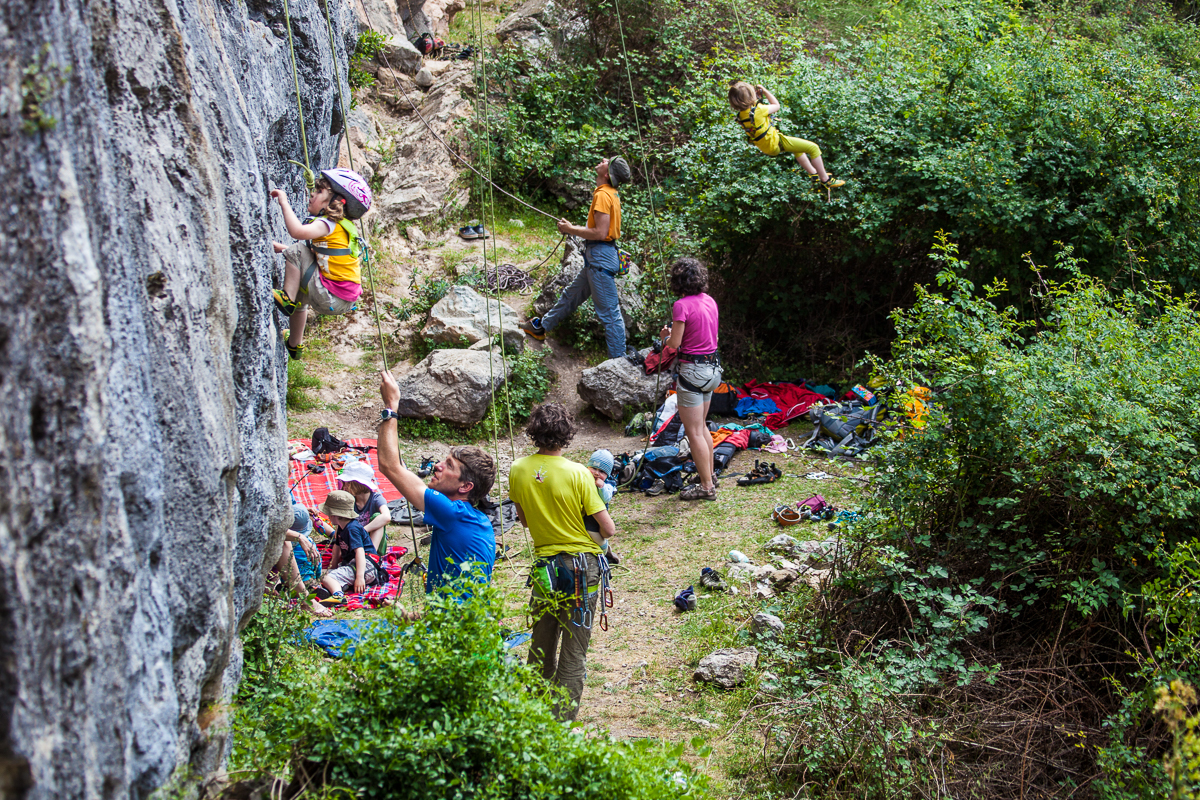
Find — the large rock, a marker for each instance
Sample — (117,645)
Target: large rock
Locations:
(399,53)
(466,314)
(541,26)
(766,626)
(452,385)
(422,177)
(570,266)
(142,387)
(727,667)
(615,385)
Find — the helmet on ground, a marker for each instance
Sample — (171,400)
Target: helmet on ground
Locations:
(352,188)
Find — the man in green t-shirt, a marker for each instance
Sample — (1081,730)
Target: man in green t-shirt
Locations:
(552,495)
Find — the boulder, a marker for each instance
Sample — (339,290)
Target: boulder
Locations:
(400,54)
(424,78)
(766,626)
(451,385)
(463,314)
(616,385)
(782,579)
(421,178)
(541,27)
(571,264)
(380,15)
(727,667)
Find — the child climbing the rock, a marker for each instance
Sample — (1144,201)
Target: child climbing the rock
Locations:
(323,269)
(754,106)
(601,466)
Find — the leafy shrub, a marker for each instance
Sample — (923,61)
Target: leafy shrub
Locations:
(370,43)
(435,710)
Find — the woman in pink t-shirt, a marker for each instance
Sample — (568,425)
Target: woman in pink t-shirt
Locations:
(694,332)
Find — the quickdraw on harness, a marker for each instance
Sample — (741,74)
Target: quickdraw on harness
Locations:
(565,575)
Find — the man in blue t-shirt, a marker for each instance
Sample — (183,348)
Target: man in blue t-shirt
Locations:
(462,534)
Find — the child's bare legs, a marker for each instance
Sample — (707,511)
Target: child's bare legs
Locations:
(297,320)
(291,274)
(814,166)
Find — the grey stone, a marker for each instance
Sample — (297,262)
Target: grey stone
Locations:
(423,78)
(451,385)
(399,53)
(763,591)
(615,385)
(783,545)
(143,376)
(422,179)
(464,314)
(782,579)
(766,626)
(570,265)
(727,667)
(415,235)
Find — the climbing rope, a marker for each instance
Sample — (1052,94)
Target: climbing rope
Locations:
(287,18)
(366,260)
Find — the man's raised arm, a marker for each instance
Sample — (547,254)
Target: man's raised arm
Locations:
(404,479)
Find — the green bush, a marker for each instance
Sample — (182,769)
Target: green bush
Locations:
(435,710)
(370,43)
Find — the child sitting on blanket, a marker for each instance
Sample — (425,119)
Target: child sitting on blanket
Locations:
(299,564)
(601,466)
(370,508)
(351,545)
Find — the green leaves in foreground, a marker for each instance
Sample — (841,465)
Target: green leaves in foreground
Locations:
(433,709)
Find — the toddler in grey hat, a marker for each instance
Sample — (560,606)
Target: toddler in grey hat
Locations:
(601,466)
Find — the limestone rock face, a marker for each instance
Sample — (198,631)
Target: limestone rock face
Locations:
(540,26)
(615,385)
(464,314)
(451,385)
(727,667)
(423,178)
(143,427)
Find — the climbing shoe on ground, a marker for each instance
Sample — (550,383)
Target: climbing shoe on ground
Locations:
(762,473)
(284,303)
(471,231)
(711,579)
(696,492)
(335,599)
(534,328)
(658,487)
(294,352)
(686,600)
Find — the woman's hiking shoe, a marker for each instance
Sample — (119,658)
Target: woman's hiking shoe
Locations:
(762,473)
(686,600)
(294,352)
(335,599)
(284,303)
(658,487)
(697,492)
(534,328)
(711,579)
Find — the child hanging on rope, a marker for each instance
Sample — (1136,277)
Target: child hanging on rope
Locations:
(324,268)
(754,114)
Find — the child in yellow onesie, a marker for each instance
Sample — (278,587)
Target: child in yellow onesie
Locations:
(754,114)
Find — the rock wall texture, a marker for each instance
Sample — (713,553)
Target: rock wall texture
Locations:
(141,374)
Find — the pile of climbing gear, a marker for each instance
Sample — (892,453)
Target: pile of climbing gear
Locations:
(762,473)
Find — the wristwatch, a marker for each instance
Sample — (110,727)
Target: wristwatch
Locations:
(387,414)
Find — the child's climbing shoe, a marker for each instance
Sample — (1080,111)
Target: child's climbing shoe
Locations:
(686,600)
(284,303)
(335,599)
(534,328)
(294,352)
(828,186)
(711,579)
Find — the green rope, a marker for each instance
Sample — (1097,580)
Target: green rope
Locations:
(287,17)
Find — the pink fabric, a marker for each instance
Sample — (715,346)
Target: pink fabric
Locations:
(699,313)
(343,290)
(792,399)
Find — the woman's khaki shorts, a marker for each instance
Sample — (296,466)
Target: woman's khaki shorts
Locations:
(702,376)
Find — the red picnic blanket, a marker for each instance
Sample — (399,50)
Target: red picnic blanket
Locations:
(311,490)
(374,596)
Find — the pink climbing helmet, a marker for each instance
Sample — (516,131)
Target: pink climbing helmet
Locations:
(351,187)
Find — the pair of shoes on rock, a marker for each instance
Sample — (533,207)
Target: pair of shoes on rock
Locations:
(534,328)
(634,357)
(686,600)
(473,232)
(711,579)
(762,473)
(697,492)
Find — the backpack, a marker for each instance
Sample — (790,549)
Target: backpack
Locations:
(724,400)
(325,443)
(845,428)
(426,43)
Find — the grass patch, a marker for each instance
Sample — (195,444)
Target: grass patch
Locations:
(299,382)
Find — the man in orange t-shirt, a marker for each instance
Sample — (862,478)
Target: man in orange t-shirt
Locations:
(597,279)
